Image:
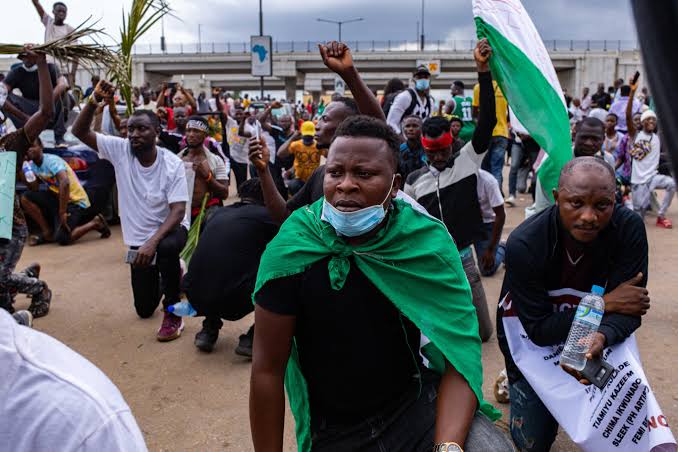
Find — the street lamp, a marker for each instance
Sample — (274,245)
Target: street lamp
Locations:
(422,24)
(340,23)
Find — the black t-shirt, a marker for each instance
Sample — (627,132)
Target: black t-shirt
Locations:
(228,253)
(28,82)
(310,192)
(170,141)
(357,352)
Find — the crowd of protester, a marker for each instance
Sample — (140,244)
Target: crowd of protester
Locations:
(326,195)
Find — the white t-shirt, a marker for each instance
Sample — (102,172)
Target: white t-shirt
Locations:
(402,102)
(239,146)
(51,398)
(144,194)
(644,152)
(489,195)
(54,32)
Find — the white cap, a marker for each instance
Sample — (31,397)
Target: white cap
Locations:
(647,114)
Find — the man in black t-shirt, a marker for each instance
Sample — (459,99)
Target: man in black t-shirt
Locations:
(358,349)
(24,77)
(552,260)
(220,278)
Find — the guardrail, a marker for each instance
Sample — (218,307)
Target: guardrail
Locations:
(555,45)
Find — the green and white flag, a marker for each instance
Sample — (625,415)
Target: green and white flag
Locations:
(523,69)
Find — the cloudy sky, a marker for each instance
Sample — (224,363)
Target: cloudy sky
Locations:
(286,20)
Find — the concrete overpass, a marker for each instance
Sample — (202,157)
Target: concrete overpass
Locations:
(297,65)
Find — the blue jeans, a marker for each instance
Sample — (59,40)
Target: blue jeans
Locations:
(494,160)
(407,426)
(516,163)
(532,426)
(482,245)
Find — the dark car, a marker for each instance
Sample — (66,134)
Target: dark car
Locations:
(96,176)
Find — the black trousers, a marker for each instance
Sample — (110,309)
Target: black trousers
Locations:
(232,304)
(240,171)
(164,278)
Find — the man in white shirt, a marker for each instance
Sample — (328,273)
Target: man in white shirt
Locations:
(56,28)
(645,178)
(51,398)
(152,195)
(417,101)
(489,250)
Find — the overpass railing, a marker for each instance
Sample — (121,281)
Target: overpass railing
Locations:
(562,45)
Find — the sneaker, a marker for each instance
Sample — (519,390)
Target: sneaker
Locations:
(24,318)
(206,338)
(501,389)
(171,327)
(32,271)
(245,343)
(60,143)
(40,304)
(664,222)
(511,201)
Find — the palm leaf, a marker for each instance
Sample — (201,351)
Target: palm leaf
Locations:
(142,16)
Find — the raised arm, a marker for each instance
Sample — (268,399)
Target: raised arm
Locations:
(190,99)
(487,114)
(337,57)
(39,8)
(82,125)
(284,150)
(115,117)
(162,98)
(60,88)
(259,155)
(631,129)
(38,121)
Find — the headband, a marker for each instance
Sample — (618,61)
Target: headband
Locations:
(195,124)
(434,144)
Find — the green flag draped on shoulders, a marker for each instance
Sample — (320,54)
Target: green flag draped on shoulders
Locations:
(413,261)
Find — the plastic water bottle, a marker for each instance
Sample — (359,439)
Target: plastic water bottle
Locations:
(586,322)
(182,309)
(28,172)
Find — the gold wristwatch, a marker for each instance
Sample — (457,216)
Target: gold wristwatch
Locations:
(447,447)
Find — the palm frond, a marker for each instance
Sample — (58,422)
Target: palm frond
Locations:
(142,16)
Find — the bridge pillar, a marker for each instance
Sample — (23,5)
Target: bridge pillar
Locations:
(291,89)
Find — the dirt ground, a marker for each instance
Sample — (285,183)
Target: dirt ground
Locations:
(185,400)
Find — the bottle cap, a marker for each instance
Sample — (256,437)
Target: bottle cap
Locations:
(170,308)
(597,290)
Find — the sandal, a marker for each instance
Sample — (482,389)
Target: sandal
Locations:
(37,239)
(105,229)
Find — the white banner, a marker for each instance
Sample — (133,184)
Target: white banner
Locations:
(434,66)
(262,60)
(624,416)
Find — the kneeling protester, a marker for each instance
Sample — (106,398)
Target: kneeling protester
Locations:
(552,261)
(346,295)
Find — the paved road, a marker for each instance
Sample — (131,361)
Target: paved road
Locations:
(186,401)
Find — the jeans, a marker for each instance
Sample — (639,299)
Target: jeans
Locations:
(485,327)
(642,194)
(240,171)
(516,163)
(494,160)
(408,426)
(532,426)
(10,253)
(146,282)
(31,106)
(482,245)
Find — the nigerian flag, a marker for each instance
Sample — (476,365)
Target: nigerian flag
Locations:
(523,69)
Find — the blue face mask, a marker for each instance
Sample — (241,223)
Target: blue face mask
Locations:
(354,224)
(422,84)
